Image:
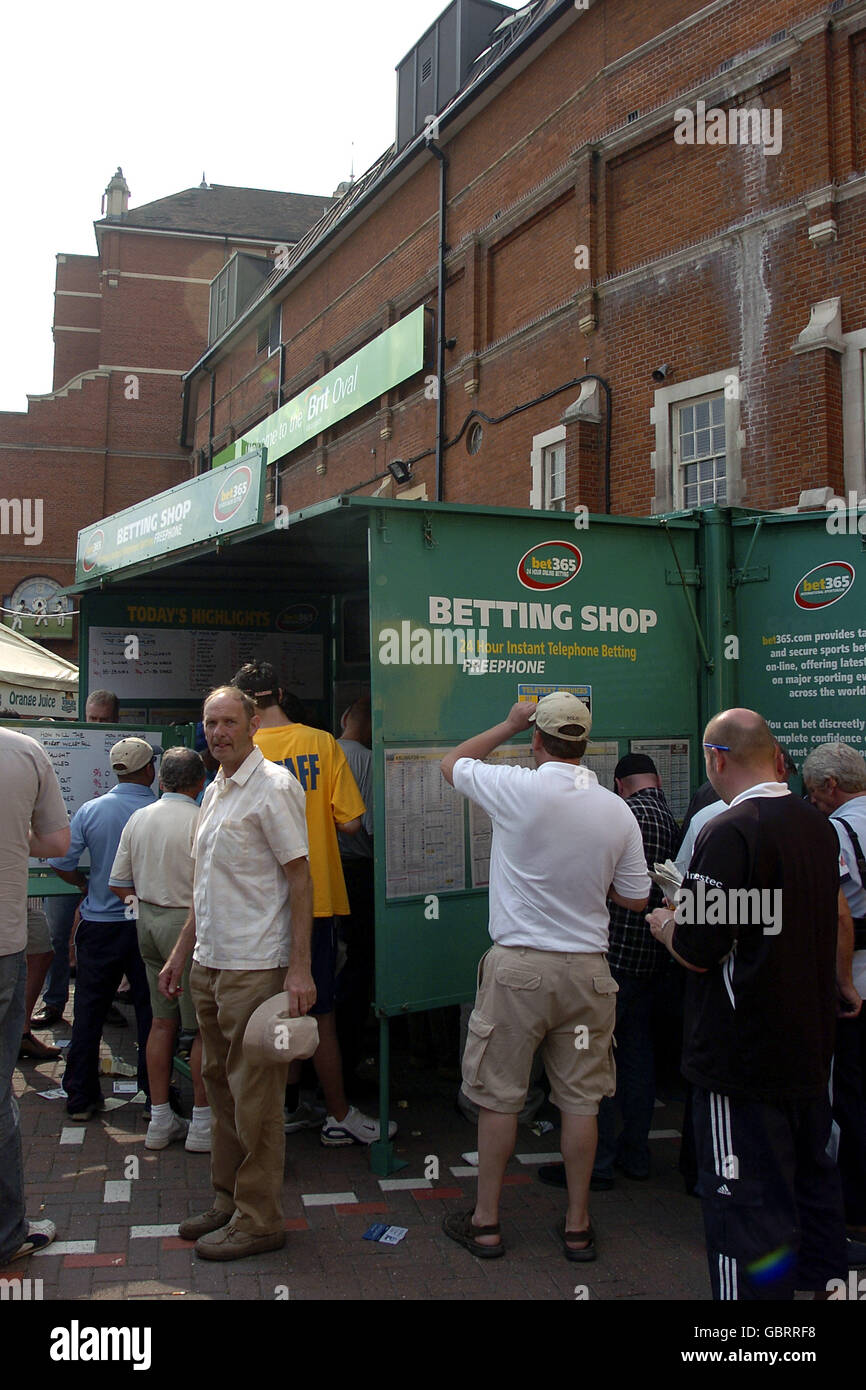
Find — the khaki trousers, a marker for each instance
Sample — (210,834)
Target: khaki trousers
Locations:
(248,1142)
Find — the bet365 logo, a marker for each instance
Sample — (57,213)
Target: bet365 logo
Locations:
(823,585)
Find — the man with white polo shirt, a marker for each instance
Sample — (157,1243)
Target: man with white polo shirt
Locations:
(251,923)
(562,846)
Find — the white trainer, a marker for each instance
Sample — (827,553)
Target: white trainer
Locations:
(198,1137)
(159,1136)
(354,1128)
(39,1234)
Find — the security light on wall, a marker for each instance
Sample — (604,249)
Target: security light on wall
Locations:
(401,472)
(663,371)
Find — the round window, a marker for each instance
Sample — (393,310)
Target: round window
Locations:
(474,438)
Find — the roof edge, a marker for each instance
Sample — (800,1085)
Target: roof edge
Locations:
(461,102)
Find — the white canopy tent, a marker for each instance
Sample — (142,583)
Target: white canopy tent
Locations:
(33,681)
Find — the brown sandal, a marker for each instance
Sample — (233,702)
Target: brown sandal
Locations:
(458,1225)
(588,1252)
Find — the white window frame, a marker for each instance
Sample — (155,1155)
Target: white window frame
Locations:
(854,411)
(679,465)
(276,317)
(667,488)
(540,443)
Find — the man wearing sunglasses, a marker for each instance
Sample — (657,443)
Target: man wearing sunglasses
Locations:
(755,925)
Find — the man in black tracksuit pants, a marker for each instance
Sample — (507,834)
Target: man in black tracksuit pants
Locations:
(760,1021)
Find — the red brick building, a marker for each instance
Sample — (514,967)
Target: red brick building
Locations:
(128,322)
(667,196)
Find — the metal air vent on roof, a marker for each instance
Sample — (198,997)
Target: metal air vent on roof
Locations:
(233,289)
(441,61)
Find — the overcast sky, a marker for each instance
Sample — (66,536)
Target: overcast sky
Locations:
(265,96)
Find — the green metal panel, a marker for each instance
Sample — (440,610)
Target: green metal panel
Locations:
(802,628)
(718,687)
(592,607)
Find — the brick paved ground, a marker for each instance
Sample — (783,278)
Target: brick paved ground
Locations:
(649,1234)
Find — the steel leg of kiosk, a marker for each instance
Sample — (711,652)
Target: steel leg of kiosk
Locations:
(382,1159)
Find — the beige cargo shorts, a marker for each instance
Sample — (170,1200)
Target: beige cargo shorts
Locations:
(562,1002)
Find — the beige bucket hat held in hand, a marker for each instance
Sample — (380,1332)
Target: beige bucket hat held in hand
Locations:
(272,1038)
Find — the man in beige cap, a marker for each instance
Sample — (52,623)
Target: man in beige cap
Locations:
(106,942)
(562,846)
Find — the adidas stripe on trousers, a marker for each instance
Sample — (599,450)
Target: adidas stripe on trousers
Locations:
(771,1197)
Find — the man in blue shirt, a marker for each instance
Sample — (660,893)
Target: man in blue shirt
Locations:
(106,942)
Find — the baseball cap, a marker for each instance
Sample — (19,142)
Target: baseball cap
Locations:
(132,754)
(634,764)
(272,1037)
(563,716)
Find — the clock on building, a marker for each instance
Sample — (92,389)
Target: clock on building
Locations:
(37,610)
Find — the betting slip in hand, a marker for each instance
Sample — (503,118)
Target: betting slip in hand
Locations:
(668,878)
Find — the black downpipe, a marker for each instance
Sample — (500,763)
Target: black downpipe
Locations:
(602,382)
(280,384)
(440,317)
(211,418)
(184,417)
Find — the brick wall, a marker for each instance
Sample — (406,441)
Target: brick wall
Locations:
(108,434)
(699,256)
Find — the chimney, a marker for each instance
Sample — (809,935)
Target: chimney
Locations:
(116,201)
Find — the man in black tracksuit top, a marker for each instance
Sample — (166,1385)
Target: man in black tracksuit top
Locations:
(760,1022)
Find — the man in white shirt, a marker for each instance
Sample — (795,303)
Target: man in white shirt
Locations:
(152,874)
(562,845)
(251,919)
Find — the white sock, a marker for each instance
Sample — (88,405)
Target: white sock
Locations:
(160,1114)
(201,1114)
